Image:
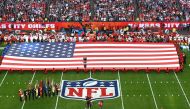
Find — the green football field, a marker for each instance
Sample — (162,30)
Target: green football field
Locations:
(139,90)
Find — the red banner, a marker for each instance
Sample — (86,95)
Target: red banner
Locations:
(59,25)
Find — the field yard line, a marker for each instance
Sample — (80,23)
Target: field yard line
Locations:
(120,90)
(30,83)
(58,95)
(182,89)
(4,78)
(23,105)
(152,91)
(32,77)
(90,74)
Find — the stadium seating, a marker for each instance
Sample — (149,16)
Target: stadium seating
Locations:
(93,10)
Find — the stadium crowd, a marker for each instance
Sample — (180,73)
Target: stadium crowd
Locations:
(41,89)
(114,10)
(162,10)
(93,10)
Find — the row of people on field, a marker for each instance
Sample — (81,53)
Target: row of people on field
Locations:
(91,35)
(40,90)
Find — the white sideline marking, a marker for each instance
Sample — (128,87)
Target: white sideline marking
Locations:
(152,91)
(32,78)
(30,83)
(182,89)
(58,95)
(120,90)
(4,78)
(90,74)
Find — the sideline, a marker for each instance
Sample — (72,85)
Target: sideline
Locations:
(120,90)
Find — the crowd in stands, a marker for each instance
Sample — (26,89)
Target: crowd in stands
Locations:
(160,10)
(22,10)
(69,10)
(114,10)
(40,90)
(94,10)
(92,35)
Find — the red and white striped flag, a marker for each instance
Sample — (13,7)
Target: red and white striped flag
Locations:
(99,55)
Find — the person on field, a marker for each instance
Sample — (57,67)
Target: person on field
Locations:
(184,58)
(88,102)
(21,96)
(26,94)
(33,93)
(100,104)
(85,62)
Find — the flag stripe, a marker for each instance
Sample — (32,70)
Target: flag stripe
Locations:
(125,45)
(125,49)
(80,58)
(144,47)
(91,60)
(124,53)
(95,66)
(95,62)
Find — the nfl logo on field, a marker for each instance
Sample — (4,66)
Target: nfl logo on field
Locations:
(96,89)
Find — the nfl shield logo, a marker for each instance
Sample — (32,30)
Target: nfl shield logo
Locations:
(96,89)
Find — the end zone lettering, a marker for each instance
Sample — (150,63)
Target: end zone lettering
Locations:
(27,26)
(40,26)
(97,89)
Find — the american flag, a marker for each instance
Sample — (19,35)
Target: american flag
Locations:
(99,55)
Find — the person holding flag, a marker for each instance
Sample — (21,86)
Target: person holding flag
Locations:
(36,89)
(40,88)
(56,89)
(46,88)
(33,92)
(29,91)
(53,88)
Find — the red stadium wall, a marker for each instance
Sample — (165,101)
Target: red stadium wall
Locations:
(110,25)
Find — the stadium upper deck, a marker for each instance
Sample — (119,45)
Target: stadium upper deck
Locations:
(93,10)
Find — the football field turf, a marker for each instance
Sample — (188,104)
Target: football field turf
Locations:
(139,90)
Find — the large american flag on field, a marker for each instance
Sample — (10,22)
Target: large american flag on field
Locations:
(99,55)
